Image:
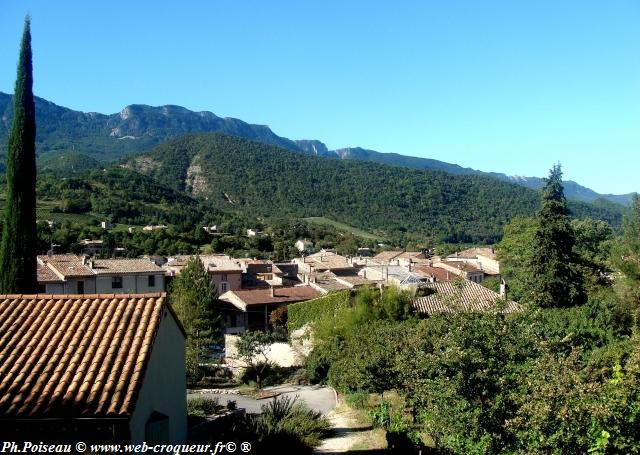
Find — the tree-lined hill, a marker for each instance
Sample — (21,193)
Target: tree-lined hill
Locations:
(138,128)
(231,173)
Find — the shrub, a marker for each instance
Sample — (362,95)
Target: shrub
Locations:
(289,427)
(202,406)
(357,400)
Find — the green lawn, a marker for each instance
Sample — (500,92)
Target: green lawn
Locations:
(343,227)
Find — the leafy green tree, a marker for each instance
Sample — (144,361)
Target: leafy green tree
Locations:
(626,256)
(192,297)
(253,347)
(515,253)
(556,279)
(459,372)
(19,236)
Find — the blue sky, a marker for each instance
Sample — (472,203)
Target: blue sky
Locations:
(499,86)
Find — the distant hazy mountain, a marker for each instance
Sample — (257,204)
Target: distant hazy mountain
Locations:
(572,189)
(139,128)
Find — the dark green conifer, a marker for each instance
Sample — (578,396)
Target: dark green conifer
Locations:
(556,279)
(18,247)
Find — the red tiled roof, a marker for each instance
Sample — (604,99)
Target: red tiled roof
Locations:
(281,295)
(75,355)
(438,273)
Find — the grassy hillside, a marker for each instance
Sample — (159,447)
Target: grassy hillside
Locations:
(233,173)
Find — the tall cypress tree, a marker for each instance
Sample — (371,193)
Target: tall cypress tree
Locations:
(556,279)
(18,248)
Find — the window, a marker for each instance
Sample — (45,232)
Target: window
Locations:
(224,287)
(152,281)
(116,282)
(224,277)
(80,287)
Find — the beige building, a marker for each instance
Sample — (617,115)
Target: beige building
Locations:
(249,309)
(224,271)
(99,368)
(481,258)
(71,274)
(462,269)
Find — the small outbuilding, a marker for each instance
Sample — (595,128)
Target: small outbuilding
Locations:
(91,368)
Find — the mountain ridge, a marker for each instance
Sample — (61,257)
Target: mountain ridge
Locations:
(233,173)
(138,128)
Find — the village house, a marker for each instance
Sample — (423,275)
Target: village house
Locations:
(72,274)
(328,281)
(392,274)
(91,368)
(463,269)
(91,247)
(432,274)
(304,246)
(397,257)
(481,258)
(322,261)
(249,309)
(224,271)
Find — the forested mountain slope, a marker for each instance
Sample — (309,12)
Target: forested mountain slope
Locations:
(236,174)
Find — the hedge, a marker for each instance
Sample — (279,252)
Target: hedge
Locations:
(302,313)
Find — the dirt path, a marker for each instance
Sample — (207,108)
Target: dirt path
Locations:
(344,436)
(352,432)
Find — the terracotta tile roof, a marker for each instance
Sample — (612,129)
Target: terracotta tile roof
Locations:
(67,265)
(46,275)
(459,296)
(410,255)
(111,266)
(75,355)
(460,265)
(213,262)
(387,256)
(281,295)
(428,271)
(472,253)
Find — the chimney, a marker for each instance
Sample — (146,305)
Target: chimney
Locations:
(503,289)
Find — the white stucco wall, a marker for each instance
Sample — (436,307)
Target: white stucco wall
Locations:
(164,386)
(281,354)
(130,284)
(71,287)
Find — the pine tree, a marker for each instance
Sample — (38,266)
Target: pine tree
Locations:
(192,298)
(556,279)
(18,248)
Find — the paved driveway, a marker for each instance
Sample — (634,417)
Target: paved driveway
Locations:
(321,399)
